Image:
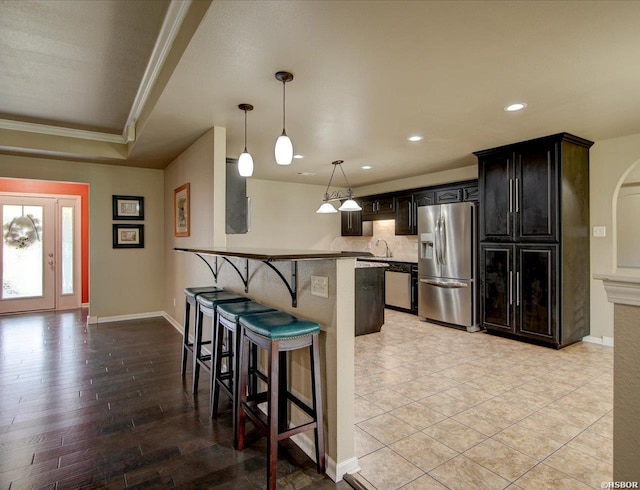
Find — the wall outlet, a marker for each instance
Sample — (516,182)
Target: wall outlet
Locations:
(600,231)
(320,286)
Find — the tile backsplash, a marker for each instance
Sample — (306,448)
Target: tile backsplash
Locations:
(402,247)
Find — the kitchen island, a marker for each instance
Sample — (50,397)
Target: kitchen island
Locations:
(282,279)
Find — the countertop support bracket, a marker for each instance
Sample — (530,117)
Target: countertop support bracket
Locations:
(292,286)
(243,277)
(213,271)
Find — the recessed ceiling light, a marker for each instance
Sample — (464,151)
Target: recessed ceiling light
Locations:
(415,138)
(367,167)
(515,107)
(298,157)
(305,174)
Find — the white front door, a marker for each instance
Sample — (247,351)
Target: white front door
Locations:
(28,254)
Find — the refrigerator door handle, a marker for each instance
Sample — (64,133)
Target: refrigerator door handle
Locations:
(443,241)
(445,284)
(437,242)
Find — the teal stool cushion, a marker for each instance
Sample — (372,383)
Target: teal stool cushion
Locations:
(233,311)
(279,325)
(211,300)
(192,292)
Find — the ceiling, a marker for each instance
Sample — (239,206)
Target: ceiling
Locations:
(367,75)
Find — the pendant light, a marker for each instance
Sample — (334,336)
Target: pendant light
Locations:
(284,147)
(245,160)
(348,205)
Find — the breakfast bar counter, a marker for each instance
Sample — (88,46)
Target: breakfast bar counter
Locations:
(314,285)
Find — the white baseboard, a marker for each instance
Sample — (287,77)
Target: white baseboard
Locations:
(119,318)
(608,341)
(176,324)
(333,470)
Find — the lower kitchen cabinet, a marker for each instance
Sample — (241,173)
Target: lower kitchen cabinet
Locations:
(369,314)
(519,291)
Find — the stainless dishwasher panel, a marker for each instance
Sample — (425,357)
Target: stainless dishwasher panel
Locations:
(447,300)
(397,289)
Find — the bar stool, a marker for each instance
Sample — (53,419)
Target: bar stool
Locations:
(206,305)
(228,316)
(278,333)
(190,299)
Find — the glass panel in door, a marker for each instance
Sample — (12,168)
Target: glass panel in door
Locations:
(27,265)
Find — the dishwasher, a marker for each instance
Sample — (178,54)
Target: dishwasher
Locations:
(397,285)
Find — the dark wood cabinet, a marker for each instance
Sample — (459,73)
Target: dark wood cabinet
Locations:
(534,232)
(470,194)
(351,223)
(518,290)
(378,207)
(369,301)
(406,206)
(445,196)
(518,190)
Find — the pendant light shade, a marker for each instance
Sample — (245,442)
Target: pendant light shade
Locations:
(348,205)
(245,164)
(284,148)
(245,160)
(326,208)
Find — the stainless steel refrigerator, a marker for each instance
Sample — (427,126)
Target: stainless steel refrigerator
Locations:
(447,264)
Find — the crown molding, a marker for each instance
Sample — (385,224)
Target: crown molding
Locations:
(60,131)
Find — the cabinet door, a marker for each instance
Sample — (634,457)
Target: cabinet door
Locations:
(405,215)
(386,205)
(425,198)
(351,223)
(368,207)
(536,191)
(470,193)
(448,195)
(497,283)
(496,191)
(536,293)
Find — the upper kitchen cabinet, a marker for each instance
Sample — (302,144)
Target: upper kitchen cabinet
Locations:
(407,210)
(378,207)
(351,222)
(520,187)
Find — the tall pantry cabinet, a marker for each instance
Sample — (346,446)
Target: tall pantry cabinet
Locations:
(534,239)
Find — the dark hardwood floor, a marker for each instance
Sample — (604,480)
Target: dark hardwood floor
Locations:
(104,406)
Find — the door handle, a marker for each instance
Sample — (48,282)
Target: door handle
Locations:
(517,289)
(443,241)
(510,287)
(517,196)
(511,195)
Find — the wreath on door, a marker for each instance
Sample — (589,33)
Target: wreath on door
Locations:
(22,232)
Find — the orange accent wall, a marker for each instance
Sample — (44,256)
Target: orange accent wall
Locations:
(67,189)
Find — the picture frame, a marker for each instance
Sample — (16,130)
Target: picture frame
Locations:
(181,211)
(128,207)
(128,236)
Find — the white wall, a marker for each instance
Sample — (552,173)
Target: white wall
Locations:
(283,215)
(610,162)
(121,281)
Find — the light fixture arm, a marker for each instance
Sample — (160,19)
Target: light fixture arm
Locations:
(337,195)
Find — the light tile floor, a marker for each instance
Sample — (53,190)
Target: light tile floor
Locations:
(440,408)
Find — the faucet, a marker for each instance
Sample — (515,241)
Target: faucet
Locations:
(387,251)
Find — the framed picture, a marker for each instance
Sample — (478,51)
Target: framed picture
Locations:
(181,212)
(128,207)
(128,236)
